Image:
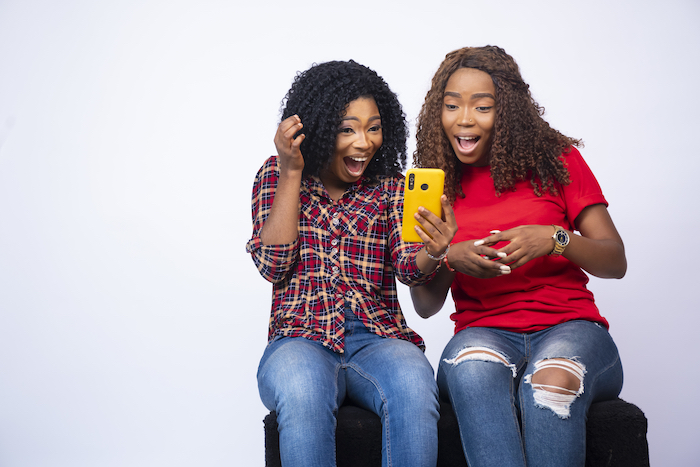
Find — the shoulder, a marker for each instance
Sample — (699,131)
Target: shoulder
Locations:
(574,161)
(270,165)
(268,171)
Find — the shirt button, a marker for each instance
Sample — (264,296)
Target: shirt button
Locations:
(336,269)
(336,214)
(334,251)
(336,221)
(334,242)
(348,294)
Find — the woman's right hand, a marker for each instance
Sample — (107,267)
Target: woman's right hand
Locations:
(290,157)
(474,258)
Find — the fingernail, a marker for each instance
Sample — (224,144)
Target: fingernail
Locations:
(495,231)
(479,243)
(505,269)
(502,254)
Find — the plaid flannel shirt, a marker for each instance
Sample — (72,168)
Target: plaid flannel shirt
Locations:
(348,252)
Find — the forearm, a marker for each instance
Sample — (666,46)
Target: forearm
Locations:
(429,298)
(282,225)
(599,249)
(603,258)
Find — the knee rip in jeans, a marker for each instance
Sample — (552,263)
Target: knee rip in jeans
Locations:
(556,383)
(483,354)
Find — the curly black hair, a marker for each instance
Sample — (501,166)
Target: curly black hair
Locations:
(523,144)
(320,96)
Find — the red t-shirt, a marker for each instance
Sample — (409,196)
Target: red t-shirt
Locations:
(545,291)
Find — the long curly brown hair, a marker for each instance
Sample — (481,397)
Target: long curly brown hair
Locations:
(523,145)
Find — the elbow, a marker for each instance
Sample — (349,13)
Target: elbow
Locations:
(615,271)
(620,265)
(621,271)
(425,306)
(426,313)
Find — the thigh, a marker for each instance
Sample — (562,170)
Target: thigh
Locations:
(300,371)
(503,350)
(388,369)
(478,375)
(393,378)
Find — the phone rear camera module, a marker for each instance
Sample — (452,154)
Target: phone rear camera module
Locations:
(424,187)
(411,181)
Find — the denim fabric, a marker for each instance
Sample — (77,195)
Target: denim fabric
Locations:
(305,383)
(500,422)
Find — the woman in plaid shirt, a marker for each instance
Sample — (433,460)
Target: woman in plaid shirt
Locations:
(327,233)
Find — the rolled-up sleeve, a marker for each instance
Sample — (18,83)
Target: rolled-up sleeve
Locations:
(274,262)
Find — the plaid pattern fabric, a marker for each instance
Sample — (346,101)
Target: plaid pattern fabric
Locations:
(349,252)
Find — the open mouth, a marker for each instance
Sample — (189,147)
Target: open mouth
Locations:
(467,143)
(355,165)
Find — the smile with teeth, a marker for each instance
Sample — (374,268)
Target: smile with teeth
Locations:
(467,143)
(355,164)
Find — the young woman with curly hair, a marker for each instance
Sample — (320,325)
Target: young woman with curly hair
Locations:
(531,351)
(327,233)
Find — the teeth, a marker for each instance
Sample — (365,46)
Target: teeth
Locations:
(468,138)
(359,159)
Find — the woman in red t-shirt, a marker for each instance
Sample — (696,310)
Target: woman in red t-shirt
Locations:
(531,351)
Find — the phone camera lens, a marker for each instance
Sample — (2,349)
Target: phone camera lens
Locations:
(411,181)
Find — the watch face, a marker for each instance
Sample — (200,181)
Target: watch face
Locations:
(562,237)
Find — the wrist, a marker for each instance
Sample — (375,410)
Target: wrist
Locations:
(440,257)
(447,265)
(561,241)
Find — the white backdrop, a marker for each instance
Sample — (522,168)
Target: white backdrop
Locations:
(131,318)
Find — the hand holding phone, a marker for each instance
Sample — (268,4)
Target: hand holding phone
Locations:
(423,187)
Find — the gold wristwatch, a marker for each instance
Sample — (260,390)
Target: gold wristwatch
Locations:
(561,239)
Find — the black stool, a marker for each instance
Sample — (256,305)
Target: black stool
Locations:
(616,436)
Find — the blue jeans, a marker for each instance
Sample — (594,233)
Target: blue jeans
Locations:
(305,383)
(505,421)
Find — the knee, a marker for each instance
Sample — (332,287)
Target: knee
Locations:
(556,383)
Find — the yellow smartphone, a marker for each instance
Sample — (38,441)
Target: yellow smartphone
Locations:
(424,187)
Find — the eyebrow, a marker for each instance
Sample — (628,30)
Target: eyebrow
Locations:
(375,117)
(477,95)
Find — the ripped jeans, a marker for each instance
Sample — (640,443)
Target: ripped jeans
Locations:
(522,399)
(305,383)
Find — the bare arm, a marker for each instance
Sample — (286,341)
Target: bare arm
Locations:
(598,250)
(429,298)
(282,225)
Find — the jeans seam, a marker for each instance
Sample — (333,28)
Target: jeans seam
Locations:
(602,372)
(384,409)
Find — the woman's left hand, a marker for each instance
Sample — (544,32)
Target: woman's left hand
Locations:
(525,243)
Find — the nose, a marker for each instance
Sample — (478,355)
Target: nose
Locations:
(465,118)
(362,141)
